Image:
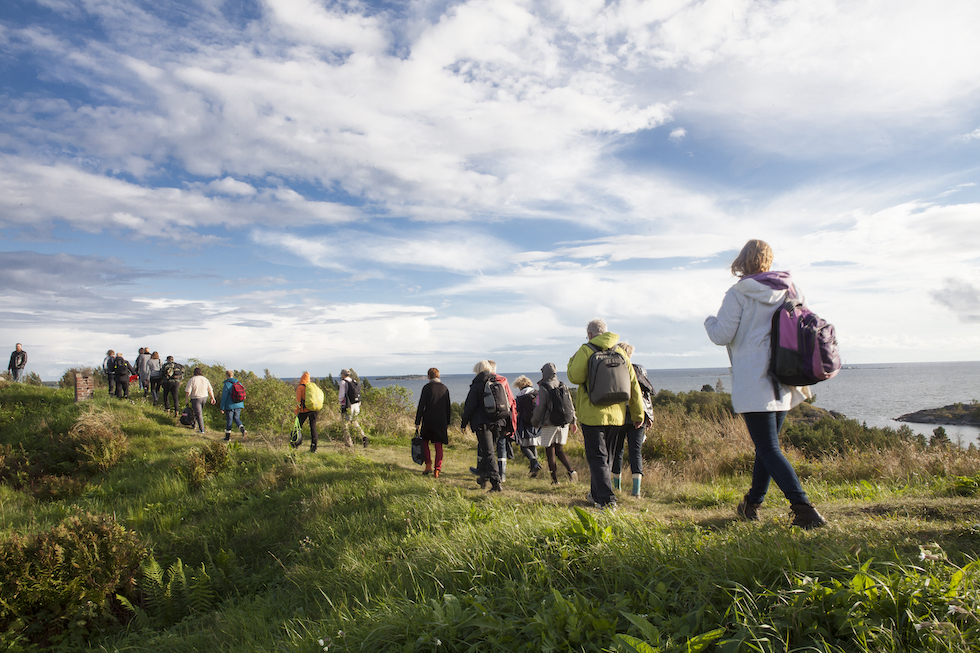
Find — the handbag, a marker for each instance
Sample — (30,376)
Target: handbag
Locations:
(418,455)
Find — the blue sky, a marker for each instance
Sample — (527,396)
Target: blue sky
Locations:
(309,185)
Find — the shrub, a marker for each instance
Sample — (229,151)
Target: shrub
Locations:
(203,463)
(67,380)
(59,586)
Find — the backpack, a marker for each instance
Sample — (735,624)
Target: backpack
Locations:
(172,371)
(353,392)
(314,397)
(608,381)
(525,409)
(236,392)
(495,403)
(562,411)
(804,346)
(186,417)
(296,434)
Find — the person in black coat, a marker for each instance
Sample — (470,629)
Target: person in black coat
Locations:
(487,431)
(123,371)
(432,419)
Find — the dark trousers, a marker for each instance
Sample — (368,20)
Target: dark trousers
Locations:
(312,417)
(111,380)
(155,389)
(170,392)
(599,440)
(122,387)
(487,436)
(633,437)
(770,463)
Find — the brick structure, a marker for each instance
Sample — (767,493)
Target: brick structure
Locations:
(84,387)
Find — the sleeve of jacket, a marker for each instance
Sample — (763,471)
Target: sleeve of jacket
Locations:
(224,395)
(540,408)
(513,407)
(449,407)
(423,402)
(636,397)
(342,393)
(469,407)
(721,328)
(578,366)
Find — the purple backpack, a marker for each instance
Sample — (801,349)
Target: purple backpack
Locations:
(804,347)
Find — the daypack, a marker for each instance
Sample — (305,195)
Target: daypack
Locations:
(236,392)
(296,434)
(562,411)
(495,403)
(172,371)
(314,397)
(804,346)
(525,409)
(609,377)
(353,392)
(187,417)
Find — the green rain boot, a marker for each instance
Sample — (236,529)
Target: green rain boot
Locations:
(617,480)
(637,480)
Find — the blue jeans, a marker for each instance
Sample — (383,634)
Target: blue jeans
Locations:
(634,436)
(770,463)
(233,415)
(598,443)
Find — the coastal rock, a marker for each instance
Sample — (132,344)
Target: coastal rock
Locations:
(952,415)
(809,414)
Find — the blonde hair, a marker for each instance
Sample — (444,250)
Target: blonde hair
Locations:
(523,382)
(755,257)
(483,366)
(627,348)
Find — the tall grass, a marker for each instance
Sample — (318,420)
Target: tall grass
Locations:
(262,548)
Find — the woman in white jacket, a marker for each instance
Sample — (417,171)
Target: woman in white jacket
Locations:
(743,324)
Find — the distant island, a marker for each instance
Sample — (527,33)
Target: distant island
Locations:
(405,377)
(957,414)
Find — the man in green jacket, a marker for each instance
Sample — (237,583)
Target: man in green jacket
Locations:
(600,422)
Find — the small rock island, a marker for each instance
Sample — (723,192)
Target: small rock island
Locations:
(958,414)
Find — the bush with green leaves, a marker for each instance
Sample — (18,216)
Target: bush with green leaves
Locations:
(60,586)
(204,462)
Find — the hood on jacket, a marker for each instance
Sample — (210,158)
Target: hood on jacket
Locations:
(767,287)
(605,340)
(305,378)
(548,370)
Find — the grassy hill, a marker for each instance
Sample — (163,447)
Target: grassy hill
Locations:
(122,531)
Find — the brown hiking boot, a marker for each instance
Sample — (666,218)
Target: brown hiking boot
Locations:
(748,511)
(806,516)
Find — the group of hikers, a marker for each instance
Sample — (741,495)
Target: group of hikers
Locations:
(612,407)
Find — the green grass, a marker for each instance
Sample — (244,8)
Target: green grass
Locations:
(279,549)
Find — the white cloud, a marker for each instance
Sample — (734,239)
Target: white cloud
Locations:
(678,134)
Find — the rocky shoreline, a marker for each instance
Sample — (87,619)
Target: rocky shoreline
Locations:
(952,415)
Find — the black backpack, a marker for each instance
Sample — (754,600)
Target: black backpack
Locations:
(495,404)
(525,408)
(562,411)
(353,392)
(609,377)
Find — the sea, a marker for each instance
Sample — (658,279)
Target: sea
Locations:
(872,394)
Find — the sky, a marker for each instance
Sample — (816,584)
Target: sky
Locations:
(309,185)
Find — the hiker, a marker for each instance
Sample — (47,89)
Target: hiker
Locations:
(349,394)
(601,421)
(488,427)
(432,420)
(123,370)
(632,435)
(527,434)
(18,361)
(154,367)
(305,413)
(108,365)
(743,325)
(142,370)
(198,390)
(231,408)
(171,374)
(553,422)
